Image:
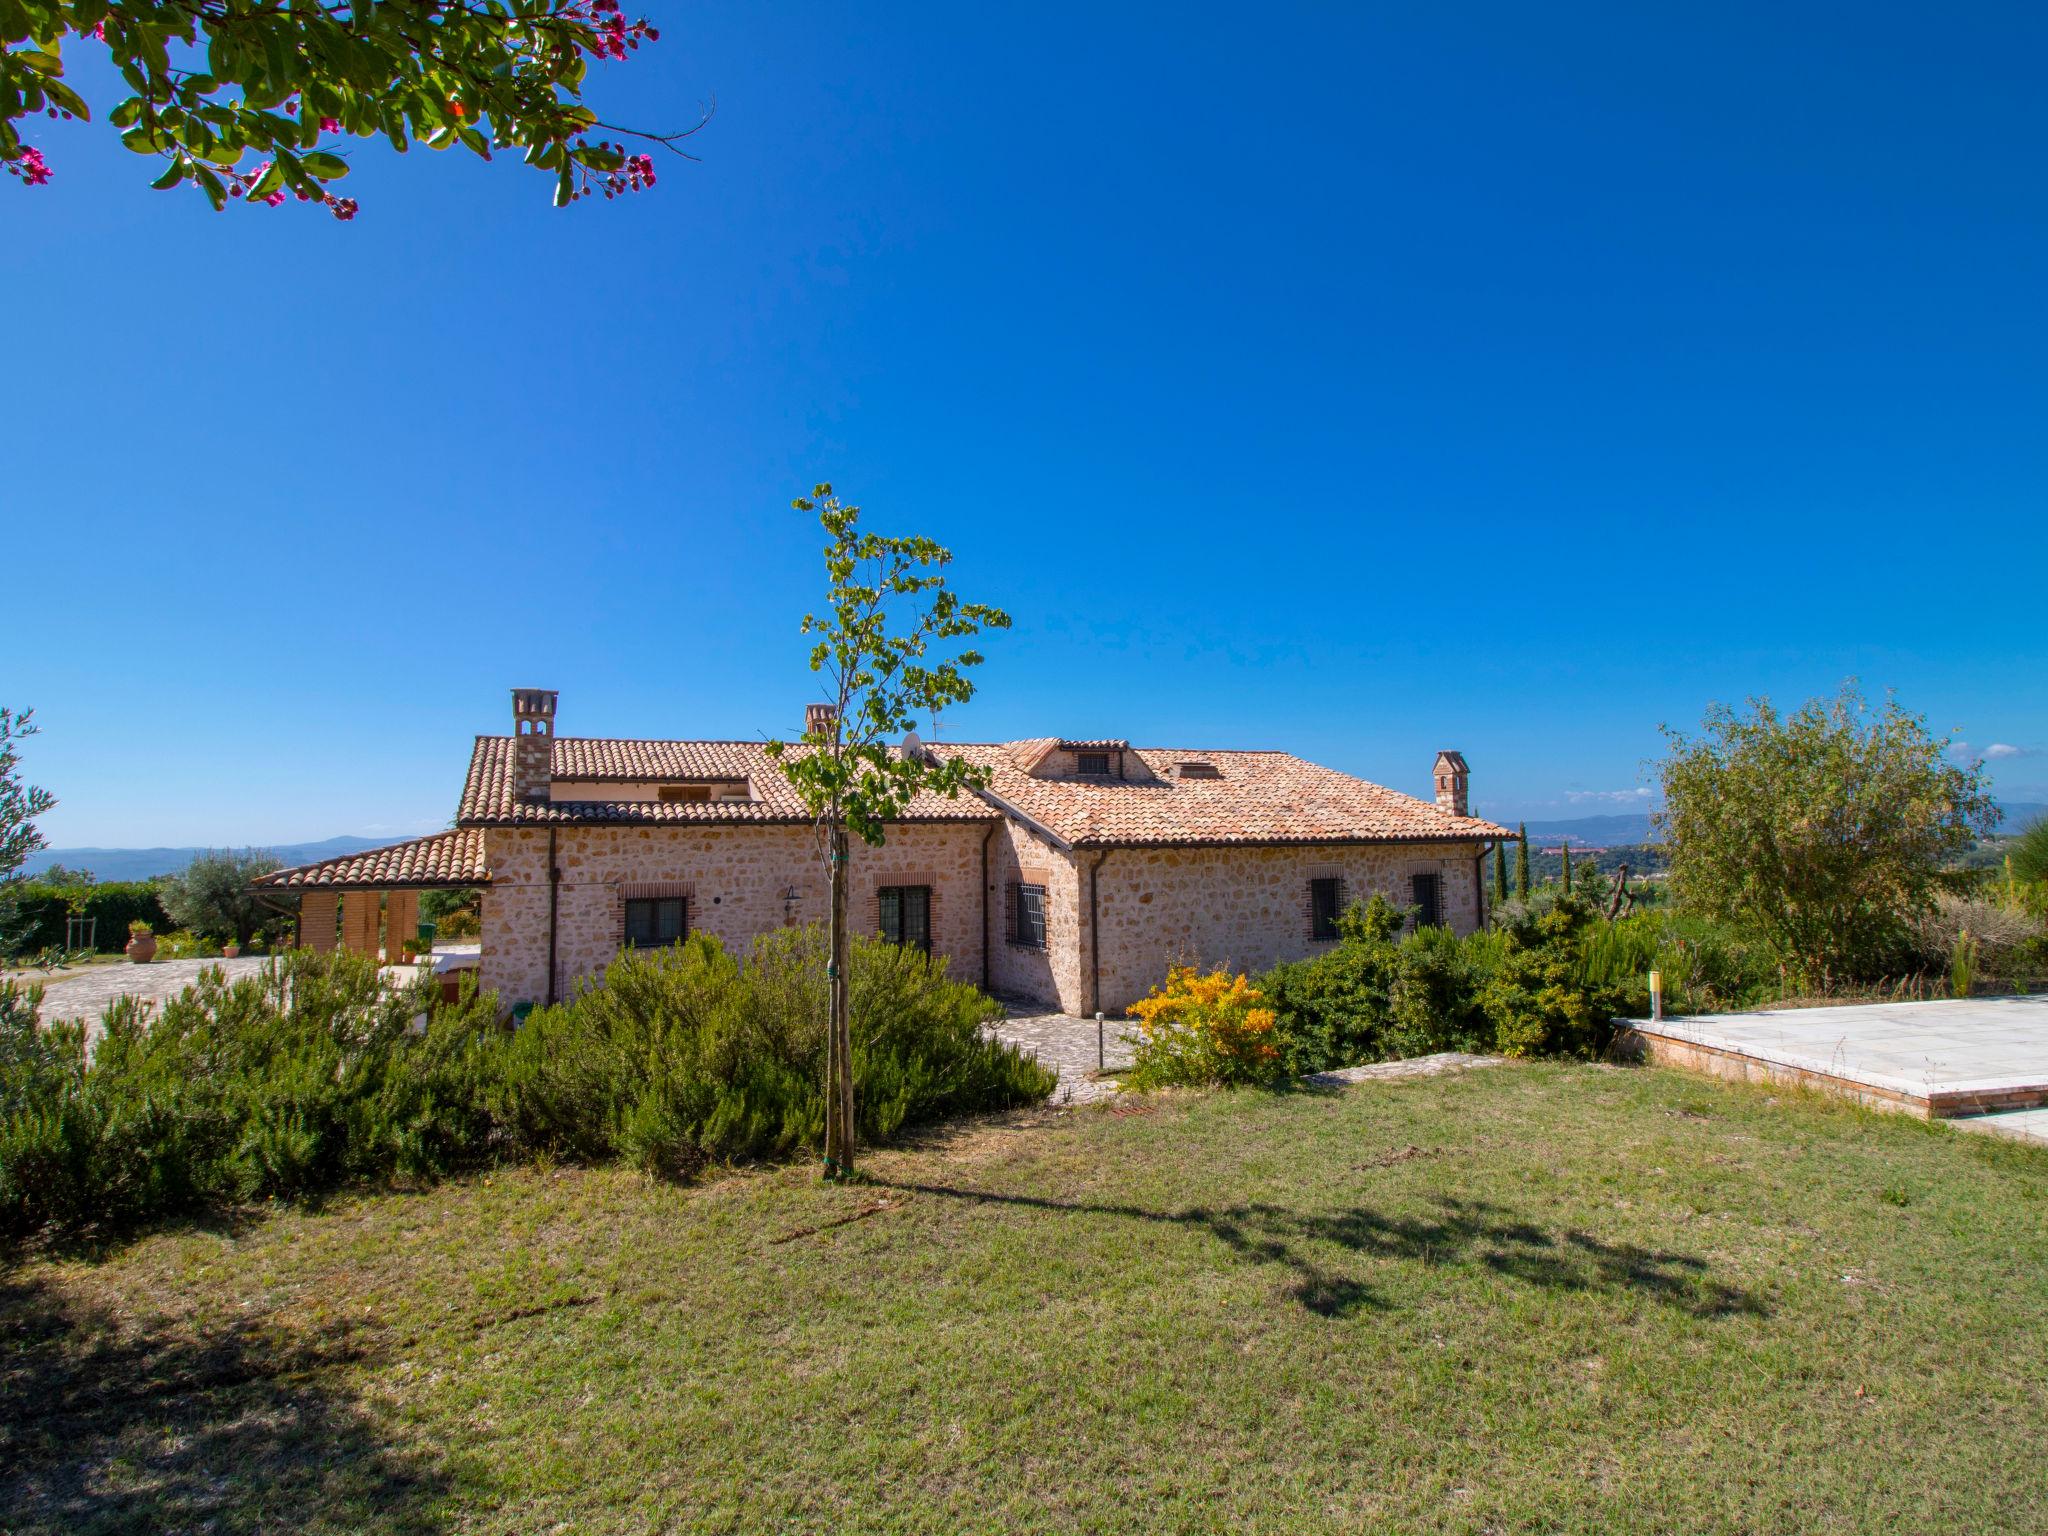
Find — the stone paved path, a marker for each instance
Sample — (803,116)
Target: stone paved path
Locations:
(1066,1043)
(85,997)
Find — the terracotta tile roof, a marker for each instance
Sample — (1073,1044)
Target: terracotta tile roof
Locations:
(1257,797)
(445,859)
(1107,744)
(487,795)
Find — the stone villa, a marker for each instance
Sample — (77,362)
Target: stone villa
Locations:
(1073,880)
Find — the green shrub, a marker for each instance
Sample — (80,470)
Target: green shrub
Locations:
(41,910)
(314,1074)
(274,1086)
(684,1056)
(1197,1029)
(1524,987)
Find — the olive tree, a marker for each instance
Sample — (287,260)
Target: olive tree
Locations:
(20,804)
(886,605)
(256,100)
(213,896)
(1824,833)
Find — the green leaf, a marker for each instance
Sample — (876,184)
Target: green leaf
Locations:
(268,182)
(42,63)
(67,99)
(216,193)
(327,167)
(127,114)
(145,141)
(173,174)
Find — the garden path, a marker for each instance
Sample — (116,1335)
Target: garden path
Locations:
(1066,1043)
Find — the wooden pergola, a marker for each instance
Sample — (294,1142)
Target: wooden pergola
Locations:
(369,902)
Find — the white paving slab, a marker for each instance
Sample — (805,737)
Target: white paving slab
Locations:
(2019,1124)
(1964,1046)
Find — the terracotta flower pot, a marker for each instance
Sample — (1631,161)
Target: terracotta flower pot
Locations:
(230,951)
(142,948)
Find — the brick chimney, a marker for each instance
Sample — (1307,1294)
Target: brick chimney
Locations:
(533,742)
(1451,778)
(819,718)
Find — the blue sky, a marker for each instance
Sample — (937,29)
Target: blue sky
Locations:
(1358,380)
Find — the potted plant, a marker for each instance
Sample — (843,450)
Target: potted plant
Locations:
(141,947)
(229,950)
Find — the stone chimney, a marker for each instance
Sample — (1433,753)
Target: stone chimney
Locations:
(819,719)
(533,742)
(1451,778)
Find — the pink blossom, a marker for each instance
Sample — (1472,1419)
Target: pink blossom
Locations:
(31,167)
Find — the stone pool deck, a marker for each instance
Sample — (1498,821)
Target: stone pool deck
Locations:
(1982,1062)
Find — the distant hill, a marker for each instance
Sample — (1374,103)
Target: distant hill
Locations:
(1620,830)
(147,863)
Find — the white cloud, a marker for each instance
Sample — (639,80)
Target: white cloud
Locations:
(1607,796)
(1999,749)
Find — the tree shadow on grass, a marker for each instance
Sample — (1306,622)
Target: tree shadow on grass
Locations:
(105,1427)
(1311,1247)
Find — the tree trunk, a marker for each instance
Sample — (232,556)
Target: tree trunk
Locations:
(839,1042)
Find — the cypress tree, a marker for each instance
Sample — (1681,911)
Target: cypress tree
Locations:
(1567,868)
(1500,872)
(1522,861)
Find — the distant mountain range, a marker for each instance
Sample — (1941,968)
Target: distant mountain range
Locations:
(1615,831)
(147,863)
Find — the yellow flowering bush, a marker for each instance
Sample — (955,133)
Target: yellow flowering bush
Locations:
(1204,1029)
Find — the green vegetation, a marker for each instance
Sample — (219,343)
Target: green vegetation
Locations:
(315,1075)
(1522,861)
(886,606)
(213,897)
(1542,1296)
(42,910)
(1824,834)
(288,86)
(1522,987)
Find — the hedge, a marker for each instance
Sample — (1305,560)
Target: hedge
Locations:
(43,908)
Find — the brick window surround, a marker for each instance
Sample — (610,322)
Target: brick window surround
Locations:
(903,914)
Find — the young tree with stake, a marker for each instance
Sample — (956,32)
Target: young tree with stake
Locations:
(887,605)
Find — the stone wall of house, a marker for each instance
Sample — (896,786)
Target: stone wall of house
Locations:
(1055,976)
(1248,908)
(739,882)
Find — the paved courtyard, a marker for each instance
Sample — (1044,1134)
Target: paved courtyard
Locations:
(86,996)
(1066,1043)
(1981,1061)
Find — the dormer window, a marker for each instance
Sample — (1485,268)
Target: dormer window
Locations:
(1093,764)
(689,794)
(1198,770)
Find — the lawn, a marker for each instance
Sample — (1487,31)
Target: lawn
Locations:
(1533,1297)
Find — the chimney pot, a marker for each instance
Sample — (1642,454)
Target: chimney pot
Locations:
(533,742)
(819,718)
(1452,780)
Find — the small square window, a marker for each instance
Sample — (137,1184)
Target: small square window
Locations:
(1029,904)
(1325,900)
(656,923)
(1094,763)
